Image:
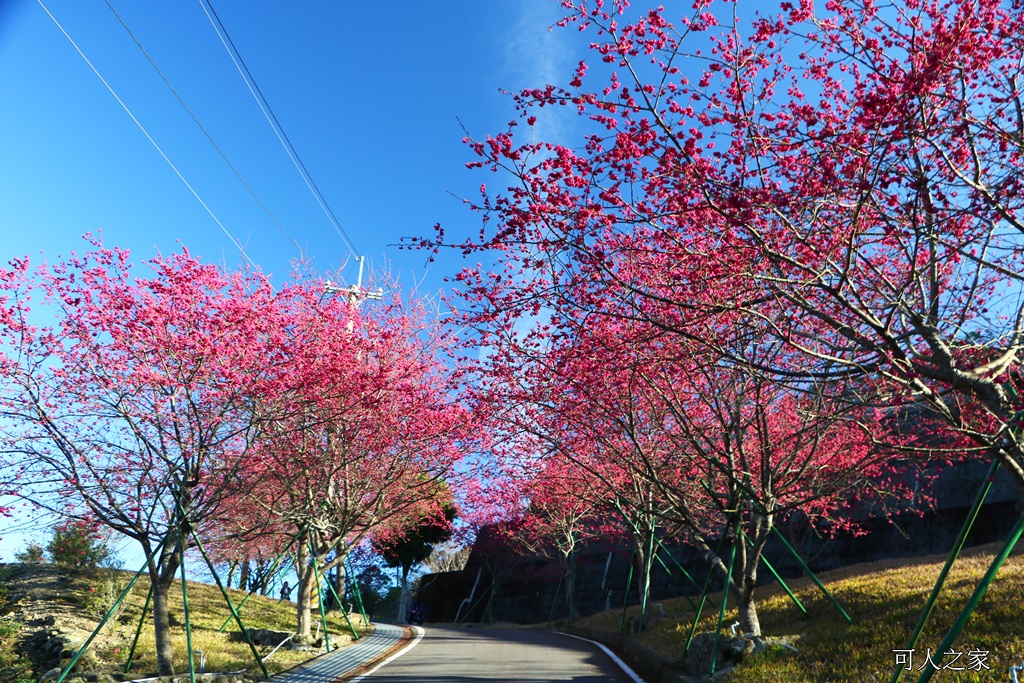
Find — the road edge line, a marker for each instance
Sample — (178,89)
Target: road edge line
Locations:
(615,658)
(415,641)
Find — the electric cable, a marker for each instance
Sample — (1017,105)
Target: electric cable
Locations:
(272,119)
(204,131)
(149,137)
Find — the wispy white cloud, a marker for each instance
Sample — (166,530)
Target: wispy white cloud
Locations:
(536,54)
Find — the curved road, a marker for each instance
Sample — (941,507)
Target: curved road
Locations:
(457,655)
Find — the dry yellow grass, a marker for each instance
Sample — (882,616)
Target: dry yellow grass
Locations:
(884,599)
(224,651)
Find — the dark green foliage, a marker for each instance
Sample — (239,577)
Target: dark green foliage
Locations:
(32,554)
(418,542)
(375,589)
(77,544)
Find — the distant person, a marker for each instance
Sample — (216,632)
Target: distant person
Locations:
(286,591)
(416,612)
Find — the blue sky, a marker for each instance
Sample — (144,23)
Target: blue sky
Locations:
(371,97)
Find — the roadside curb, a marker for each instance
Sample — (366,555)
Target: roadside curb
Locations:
(652,667)
(342,664)
(393,653)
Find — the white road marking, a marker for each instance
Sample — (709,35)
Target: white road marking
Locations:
(615,658)
(415,641)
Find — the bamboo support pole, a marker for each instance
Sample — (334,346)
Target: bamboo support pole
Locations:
(231,606)
(106,618)
(319,599)
(138,631)
(725,599)
(625,597)
(954,553)
(972,602)
(344,613)
(184,602)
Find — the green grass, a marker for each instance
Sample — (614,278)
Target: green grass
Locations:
(884,599)
(93,594)
(225,651)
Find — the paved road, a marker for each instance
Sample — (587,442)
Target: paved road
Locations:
(453,655)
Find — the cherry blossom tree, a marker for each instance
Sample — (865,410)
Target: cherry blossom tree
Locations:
(844,178)
(543,421)
(562,519)
(130,402)
(675,437)
(368,429)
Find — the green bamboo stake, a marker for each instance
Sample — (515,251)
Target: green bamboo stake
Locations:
(778,578)
(954,553)
(138,631)
(569,591)
(490,602)
(668,571)
(231,606)
(782,583)
(358,593)
(625,598)
(320,601)
(975,598)
(799,559)
(184,601)
(645,595)
(554,603)
(103,622)
(704,598)
(251,593)
(725,599)
(817,581)
(344,612)
(682,569)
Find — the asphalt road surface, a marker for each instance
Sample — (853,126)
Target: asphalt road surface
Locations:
(456,655)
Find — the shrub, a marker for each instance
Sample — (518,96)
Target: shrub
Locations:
(32,554)
(77,544)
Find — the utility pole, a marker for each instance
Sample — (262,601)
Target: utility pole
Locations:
(355,292)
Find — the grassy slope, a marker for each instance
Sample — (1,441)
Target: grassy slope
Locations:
(884,599)
(85,598)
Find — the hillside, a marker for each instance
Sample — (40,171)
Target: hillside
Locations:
(45,609)
(884,598)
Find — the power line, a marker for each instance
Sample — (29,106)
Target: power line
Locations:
(149,137)
(203,129)
(272,119)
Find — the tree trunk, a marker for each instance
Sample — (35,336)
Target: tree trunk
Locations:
(748,614)
(750,558)
(162,628)
(161,575)
(303,594)
(304,599)
(304,591)
(243,576)
(403,593)
(645,555)
(570,585)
